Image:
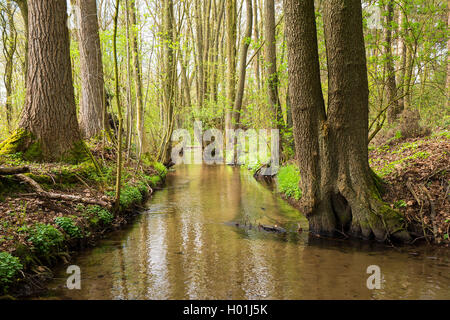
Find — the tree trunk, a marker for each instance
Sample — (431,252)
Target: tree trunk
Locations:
(391,86)
(271,61)
(23,6)
(49,113)
(142,144)
(9,48)
(231,15)
(243,63)
(92,84)
(169,95)
(339,189)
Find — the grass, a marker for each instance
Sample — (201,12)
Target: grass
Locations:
(288,179)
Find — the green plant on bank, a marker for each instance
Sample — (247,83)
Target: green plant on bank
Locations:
(288,179)
(98,215)
(160,168)
(68,225)
(45,238)
(9,269)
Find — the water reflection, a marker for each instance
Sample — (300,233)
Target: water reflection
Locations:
(183,248)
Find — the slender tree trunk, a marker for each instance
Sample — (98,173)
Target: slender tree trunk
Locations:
(169,95)
(141,143)
(92,84)
(339,191)
(243,63)
(23,6)
(403,54)
(271,61)
(9,48)
(119,112)
(49,113)
(447,82)
(391,86)
(231,15)
(257,57)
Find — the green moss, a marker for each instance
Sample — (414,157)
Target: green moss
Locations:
(17,142)
(76,155)
(288,181)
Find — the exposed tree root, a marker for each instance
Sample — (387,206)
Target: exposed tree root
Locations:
(58,196)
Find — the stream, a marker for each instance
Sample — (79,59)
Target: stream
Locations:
(185,245)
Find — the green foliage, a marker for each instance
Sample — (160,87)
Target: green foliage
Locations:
(160,168)
(130,195)
(400,204)
(288,181)
(9,268)
(98,214)
(45,238)
(69,227)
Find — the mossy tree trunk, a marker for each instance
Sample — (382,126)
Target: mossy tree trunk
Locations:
(339,189)
(49,114)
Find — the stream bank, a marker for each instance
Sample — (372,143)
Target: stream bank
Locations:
(38,232)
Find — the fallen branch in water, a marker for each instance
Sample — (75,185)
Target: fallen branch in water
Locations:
(59,196)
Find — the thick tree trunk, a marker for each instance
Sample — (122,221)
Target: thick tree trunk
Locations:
(49,112)
(339,190)
(92,84)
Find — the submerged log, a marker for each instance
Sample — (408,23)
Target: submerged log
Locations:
(59,196)
(260,227)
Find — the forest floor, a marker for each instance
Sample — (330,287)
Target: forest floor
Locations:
(417,176)
(36,231)
(416,173)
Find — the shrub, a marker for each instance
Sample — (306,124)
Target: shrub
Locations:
(45,238)
(160,168)
(9,267)
(288,181)
(99,214)
(69,227)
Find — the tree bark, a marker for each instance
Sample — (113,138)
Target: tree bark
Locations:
(142,143)
(49,112)
(243,63)
(339,190)
(271,61)
(391,86)
(92,83)
(231,22)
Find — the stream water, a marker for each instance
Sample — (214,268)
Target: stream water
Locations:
(186,246)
